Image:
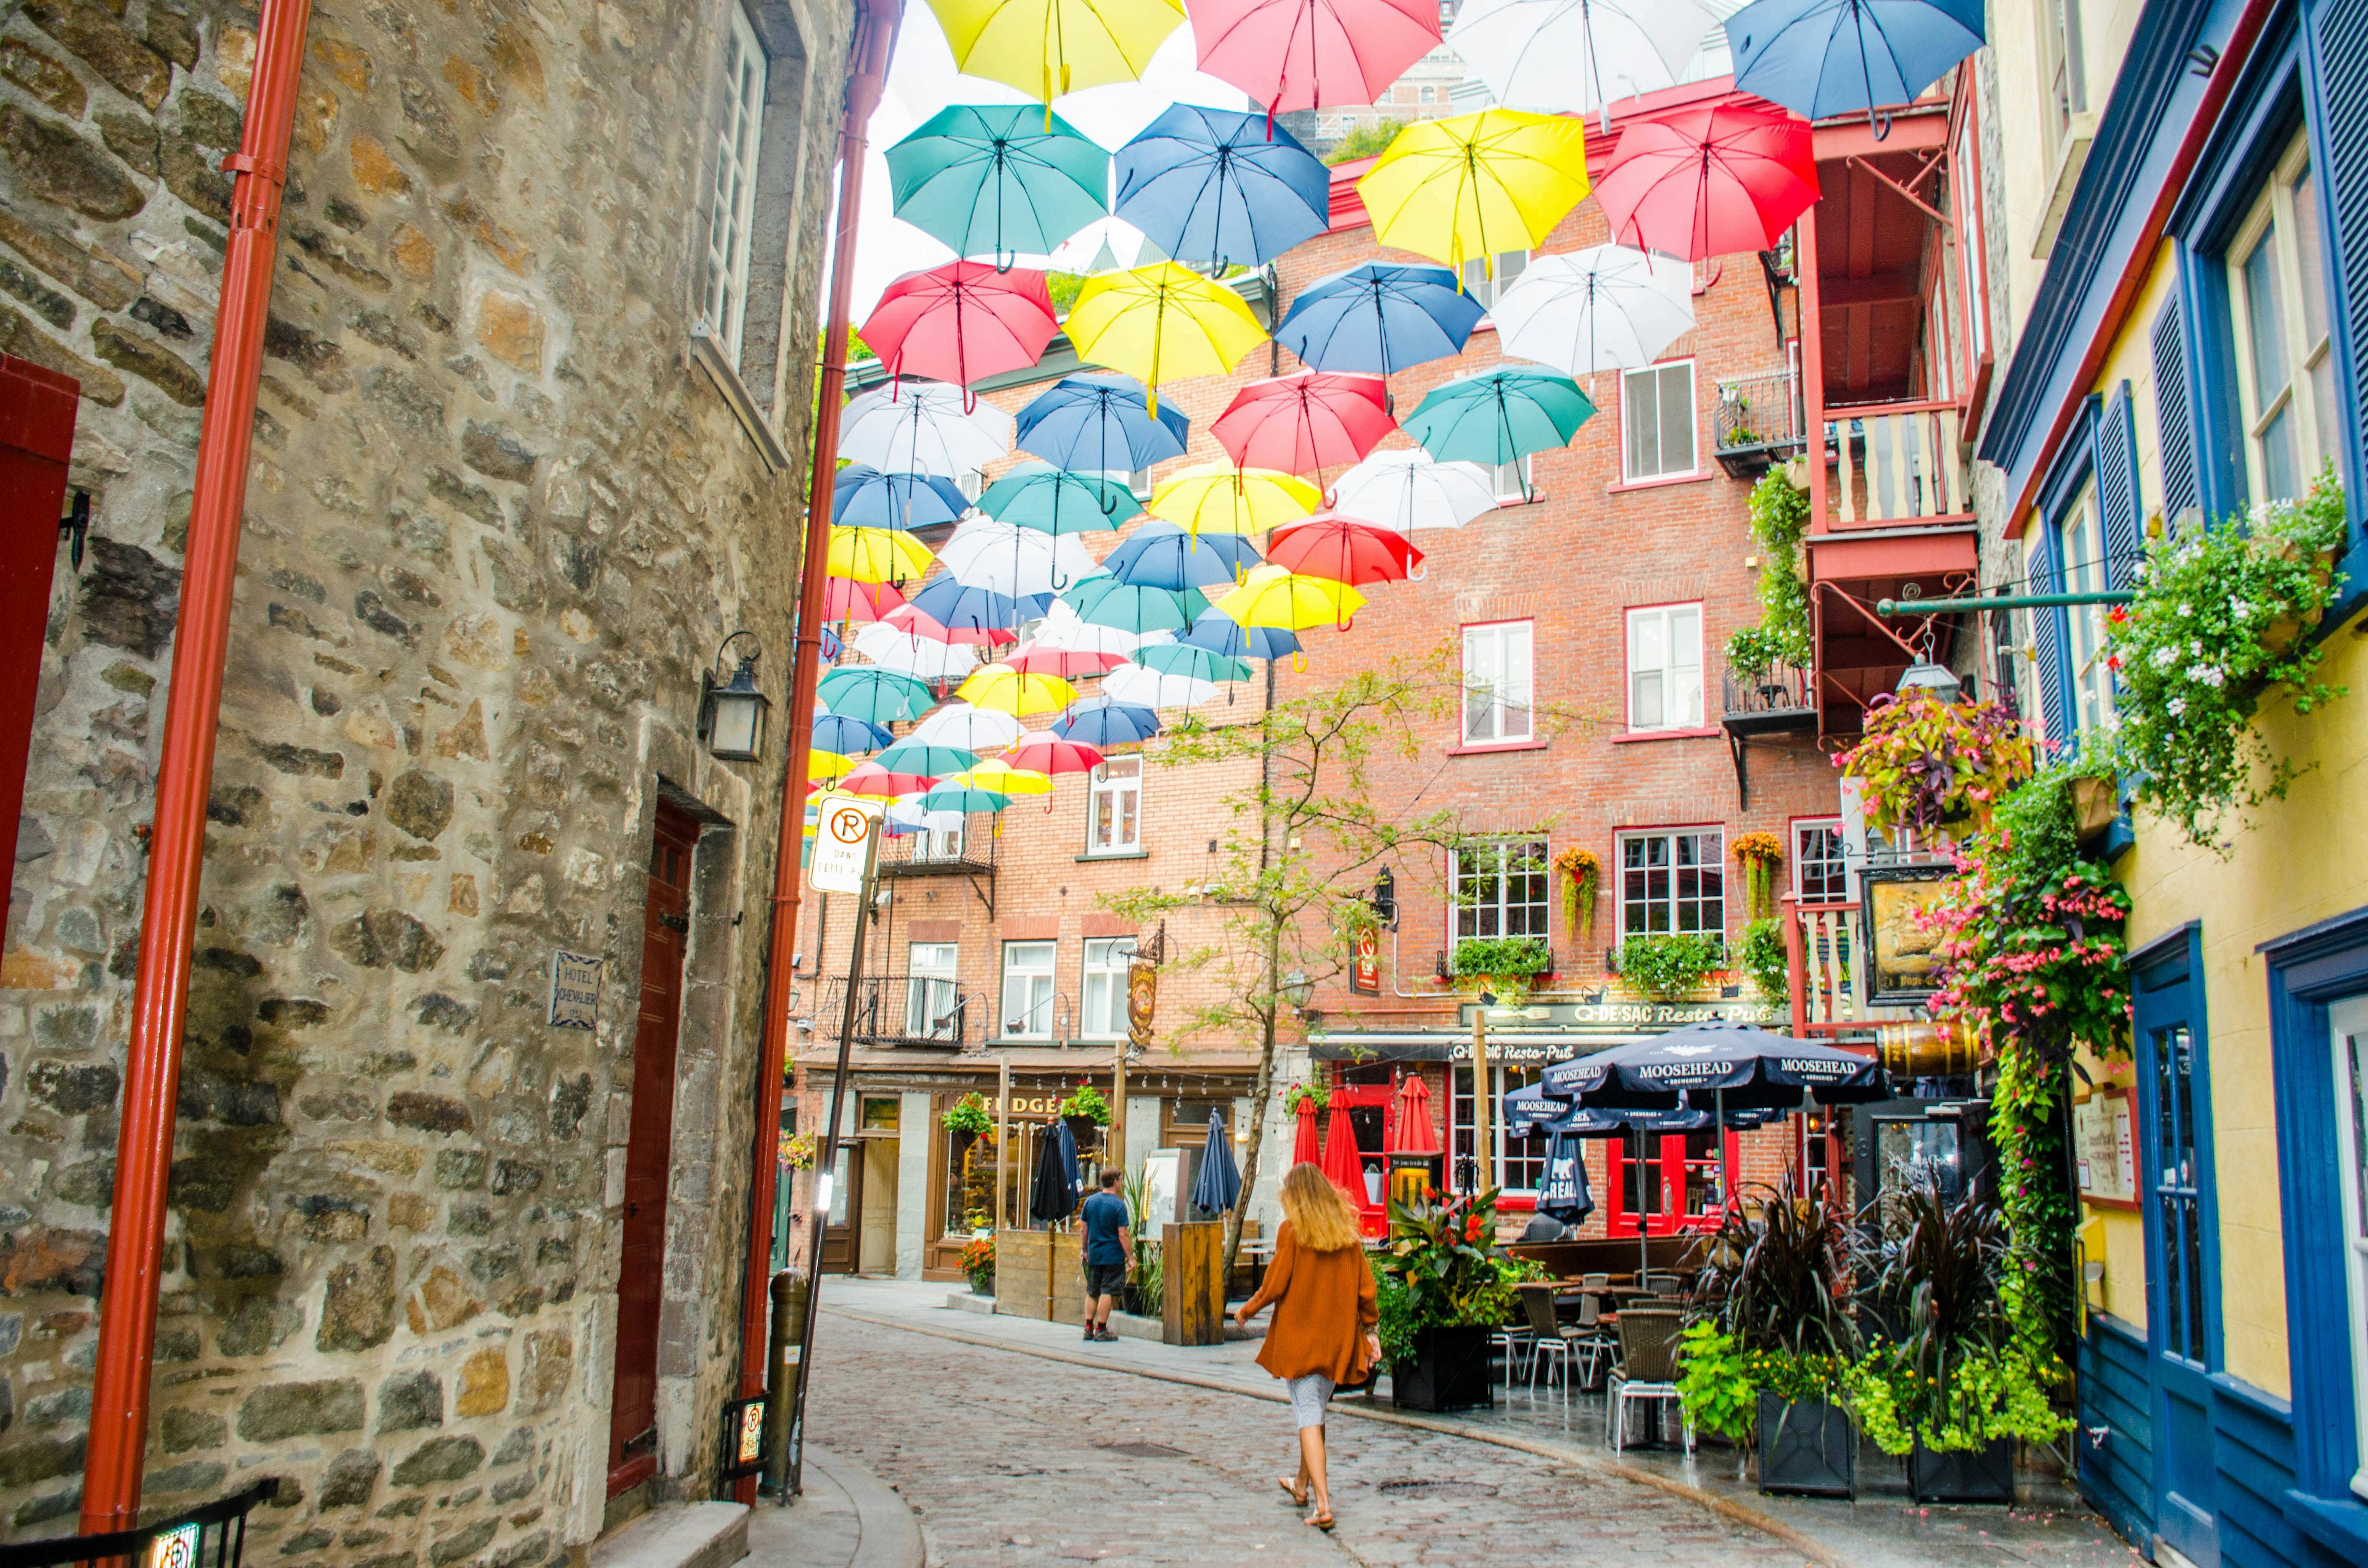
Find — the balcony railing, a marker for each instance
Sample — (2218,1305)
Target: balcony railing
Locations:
(1758,422)
(1821,950)
(1898,463)
(939,854)
(903,1010)
(1772,698)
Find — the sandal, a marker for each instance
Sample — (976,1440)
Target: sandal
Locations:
(1323,1522)
(1298,1498)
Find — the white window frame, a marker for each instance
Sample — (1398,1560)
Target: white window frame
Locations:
(1513,482)
(1500,678)
(2082,525)
(731,199)
(1802,828)
(1709,848)
(2064,71)
(1485,289)
(1682,683)
(2349,1032)
(1970,244)
(1030,965)
(1659,372)
(1520,1161)
(1490,863)
(1101,1012)
(1121,791)
(2282,223)
(931,972)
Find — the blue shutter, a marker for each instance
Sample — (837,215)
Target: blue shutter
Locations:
(2343,88)
(2174,426)
(2047,625)
(2117,488)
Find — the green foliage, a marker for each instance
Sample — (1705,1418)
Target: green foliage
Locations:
(1086,1100)
(1718,1394)
(1314,1092)
(857,348)
(1985,1397)
(1064,287)
(1926,764)
(1365,141)
(1397,1326)
(1760,954)
(1754,649)
(1779,518)
(1444,1258)
(1669,964)
(2220,616)
(1776,1273)
(1480,956)
(969,1115)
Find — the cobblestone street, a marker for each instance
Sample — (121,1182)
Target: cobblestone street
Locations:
(1007,1458)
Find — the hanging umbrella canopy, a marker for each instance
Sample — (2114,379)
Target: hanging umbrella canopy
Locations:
(999,179)
(1162,322)
(1825,57)
(1305,1149)
(1017,562)
(863,497)
(1223,498)
(1221,633)
(1344,551)
(1563,1195)
(1412,1133)
(1161,555)
(1749,1069)
(1002,778)
(1712,180)
(1274,595)
(1106,601)
(1143,687)
(967,612)
(1218,1187)
(838,732)
(1410,488)
(919,623)
(871,779)
(1189,660)
(949,797)
(1061,628)
(925,759)
(961,320)
(1098,721)
(1295,54)
(924,658)
(999,688)
(1380,317)
(910,426)
(1039,497)
(1046,47)
(1055,1197)
(1044,751)
(1100,422)
(906,810)
(825,766)
(1570,56)
(1609,308)
(1500,415)
(843,599)
(1468,186)
(870,692)
(1218,187)
(1300,423)
(1342,1163)
(976,730)
(877,555)
(1036,658)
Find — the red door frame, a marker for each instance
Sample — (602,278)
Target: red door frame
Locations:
(37,424)
(1618,1221)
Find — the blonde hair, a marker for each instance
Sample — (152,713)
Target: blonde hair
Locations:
(1319,1210)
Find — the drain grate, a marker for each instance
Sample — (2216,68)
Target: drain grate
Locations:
(1436,1489)
(1144,1450)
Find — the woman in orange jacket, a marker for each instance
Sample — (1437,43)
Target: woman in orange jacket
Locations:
(1325,1311)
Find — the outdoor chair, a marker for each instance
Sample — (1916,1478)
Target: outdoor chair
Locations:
(1661,1284)
(1589,1342)
(1548,1338)
(1647,1369)
(1516,1343)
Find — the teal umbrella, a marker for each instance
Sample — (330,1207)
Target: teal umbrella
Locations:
(1500,415)
(1192,662)
(1106,601)
(999,180)
(876,695)
(1039,497)
(956,798)
(921,756)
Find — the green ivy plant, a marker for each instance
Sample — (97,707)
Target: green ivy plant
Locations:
(1314,1091)
(2221,616)
(1779,519)
(1483,957)
(1669,964)
(1760,954)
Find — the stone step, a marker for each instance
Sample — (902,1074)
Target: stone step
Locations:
(699,1534)
(965,1302)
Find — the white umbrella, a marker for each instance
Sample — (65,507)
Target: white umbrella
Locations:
(913,426)
(1014,561)
(1570,56)
(972,729)
(1066,630)
(908,810)
(1609,308)
(1152,688)
(924,658)
(1408,489)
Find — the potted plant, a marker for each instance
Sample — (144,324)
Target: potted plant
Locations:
(1443,1295)
(1761,956)
(1312,1092)
(1759,854)
(967,1121)
(978,1265)
(1505,966)
(1582,877)
(1086,1113)
(1671,964)
(1930,767)
(798,1151)
(1770,1338)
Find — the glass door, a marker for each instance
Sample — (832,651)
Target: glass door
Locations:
(2351,1031)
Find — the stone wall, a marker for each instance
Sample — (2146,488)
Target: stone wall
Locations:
(500,516)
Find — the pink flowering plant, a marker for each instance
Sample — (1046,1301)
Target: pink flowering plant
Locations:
(1929,765)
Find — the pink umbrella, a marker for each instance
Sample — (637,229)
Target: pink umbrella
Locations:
(1303,1148)
(843,599)
(1710,181)
(871,779)
(1303,421)
(1034,659)
(1291,55)
(920,623)
(1041,751)
(961,320)
(1344,551)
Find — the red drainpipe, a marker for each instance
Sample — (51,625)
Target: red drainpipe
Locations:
(126,1303)
(875,39)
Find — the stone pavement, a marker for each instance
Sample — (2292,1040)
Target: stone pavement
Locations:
(1551,1461)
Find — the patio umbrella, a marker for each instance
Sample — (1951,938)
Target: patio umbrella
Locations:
(863,497)
(1410,488)
(920,623)
(1045,752)
(877,555)
(1305,1149)
(1221,633)
(1713,180)
(1570,56)
(924,658)
(1220,187)
(1822,57)
(1100,421)
(1098,721)
(1013,560)
(1607,308)
(1046,47)
(841,733)
(1223,498)
(1052,500)
(1189,660)
(1380,317)
(1055,1197)
(1106,601)
(999,688)
(1295,54)
(843,599)
(972,729)
(961,320)
(910,426)
(1342,1162)
(1142,687)
(870,692)
(871,779)
(1218,1186)
(999,179)
(1563,1195)
(1473,185)
(1500,415)
(1748,1068)
(1036,658)
(965,610)
(1160,321)
(1300,423)
(1412,1133)
(1273,596)
(925,759)
(1344,551)
(1161,555)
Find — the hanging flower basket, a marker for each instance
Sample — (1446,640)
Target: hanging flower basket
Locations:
(1582,877)
(1312,1092)
(1930,767)
(798,1151)
(1759,854)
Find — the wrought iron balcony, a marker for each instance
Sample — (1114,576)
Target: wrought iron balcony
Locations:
(1758,422)
(1764,702)
(903,1010)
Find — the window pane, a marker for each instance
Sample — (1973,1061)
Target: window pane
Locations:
(2355,1052)
(1643,424)
(2262,325)
(1513,686)
(2310,258)
(1677,440)
(1685,667)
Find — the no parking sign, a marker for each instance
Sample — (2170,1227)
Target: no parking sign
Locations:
(842,852)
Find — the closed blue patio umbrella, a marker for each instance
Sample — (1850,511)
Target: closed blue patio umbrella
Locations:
(1219,1184)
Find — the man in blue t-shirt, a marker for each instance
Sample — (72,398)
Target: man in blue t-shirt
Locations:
(1109,1249)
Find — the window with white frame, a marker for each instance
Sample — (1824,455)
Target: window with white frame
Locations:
(1485,278)
(1028,990)
(1520,1161)
(1498,679)
(1664,680)
(1512,481)
(1657,421)
(930,993)
(972,482)
(1114,807)
(939,842)
(2080,546)
(2349,1019)
(2285,366)
(1673,882)
(732,201)
(1820,862)
(1103,1015)
(1502,888)
(1969,249)
(2061,56)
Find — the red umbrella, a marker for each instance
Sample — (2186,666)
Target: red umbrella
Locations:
(1303,1148)
(1341,1161)
(1041,751)
(1344,551)
(1034,659)
(1300,423)
(843,599)
(1710,181)
(1414,1131)
(920,623)
(1291,54)
(871,779)
(961,320)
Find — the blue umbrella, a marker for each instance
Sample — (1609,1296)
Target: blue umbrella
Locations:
(958,607)
(1822,57)
(1380,317)
(1098,422)
(1563,1194)
(863,497)
(1052,500)
(1218,1187)
(1221,633)
(1098,721)
(1161,555)
(845,734)
(1218,187)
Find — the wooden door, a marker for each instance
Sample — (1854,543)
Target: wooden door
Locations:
(633,1411)
(842,1230)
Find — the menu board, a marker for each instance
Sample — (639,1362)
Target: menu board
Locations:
(2104,1144)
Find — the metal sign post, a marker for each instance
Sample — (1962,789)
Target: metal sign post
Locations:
(845,858)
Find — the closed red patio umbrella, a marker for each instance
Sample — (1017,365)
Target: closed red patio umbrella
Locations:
(1414,1134)
(1341,1161)
(1303,1149)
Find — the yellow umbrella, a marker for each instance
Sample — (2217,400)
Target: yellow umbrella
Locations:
(1050,47)
(877,555)
(1219,498)
(1273,596)
(1003,690)
(828,767)
(1475,184)
(1003,778)
(1161,321)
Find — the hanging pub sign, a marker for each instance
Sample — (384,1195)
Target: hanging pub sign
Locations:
(1142,999)
(1903,952)
(1365,973)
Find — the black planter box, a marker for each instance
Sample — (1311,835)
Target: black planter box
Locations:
(1450,1371)
(1963,1475)
(1810,1450)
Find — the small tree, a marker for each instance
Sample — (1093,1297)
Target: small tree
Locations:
(1365,141)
